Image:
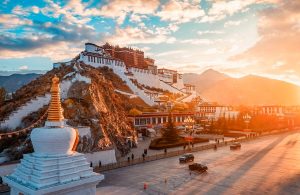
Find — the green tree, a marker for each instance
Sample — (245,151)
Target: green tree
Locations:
(2,95)
(170,133)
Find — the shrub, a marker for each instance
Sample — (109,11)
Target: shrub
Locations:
(234,135)
(161,143)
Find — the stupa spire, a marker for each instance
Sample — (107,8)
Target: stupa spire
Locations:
(55,111)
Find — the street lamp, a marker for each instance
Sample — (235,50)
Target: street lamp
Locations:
(247,119)
(210,118)
(190,124)
(281,118)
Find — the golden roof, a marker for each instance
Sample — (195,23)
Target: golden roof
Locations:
(55,111)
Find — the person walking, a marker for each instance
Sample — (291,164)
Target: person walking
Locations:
(132,156)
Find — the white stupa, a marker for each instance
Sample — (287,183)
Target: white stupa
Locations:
(54,167)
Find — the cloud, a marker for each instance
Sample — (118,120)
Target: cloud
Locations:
(19,10)
(50,36)
(232,23)
(278,48)
(197,41)
(180,11)
(23,68)
(169,53)
(220,9)
(12,21)
(35,9)
(135,35)
(118,9)
(210,32)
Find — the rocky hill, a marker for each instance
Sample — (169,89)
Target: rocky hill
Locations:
(88,99)
(15,81)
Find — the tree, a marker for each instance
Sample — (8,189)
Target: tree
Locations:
(170,133)
(2,95)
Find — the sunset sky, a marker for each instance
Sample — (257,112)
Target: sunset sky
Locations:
(237,37)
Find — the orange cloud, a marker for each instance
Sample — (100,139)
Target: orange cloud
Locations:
(277,51)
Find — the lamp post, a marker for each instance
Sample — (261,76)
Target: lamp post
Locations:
(210,119)
(190,124)
(247,119)
(280,118)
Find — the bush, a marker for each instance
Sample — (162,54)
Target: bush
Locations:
(161,143)
(234,135)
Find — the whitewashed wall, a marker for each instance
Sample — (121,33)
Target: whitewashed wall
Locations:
(106,157)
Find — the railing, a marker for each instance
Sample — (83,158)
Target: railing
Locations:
(24,130)
(158,156)
(176,153)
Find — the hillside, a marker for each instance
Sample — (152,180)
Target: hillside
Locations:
(15,81)
(253,90)
(204,80)
(88,99)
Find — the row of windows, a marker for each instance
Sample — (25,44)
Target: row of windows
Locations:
(207,109)
(157,120)
(104,61)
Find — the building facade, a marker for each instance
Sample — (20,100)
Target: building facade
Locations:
(159,118)
(215,111)
(134,69)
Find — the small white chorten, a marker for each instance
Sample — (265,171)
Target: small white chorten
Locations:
(54,167)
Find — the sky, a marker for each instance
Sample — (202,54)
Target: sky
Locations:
(237,37)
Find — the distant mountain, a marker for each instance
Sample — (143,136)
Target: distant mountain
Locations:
(13,82)
(204,80)
(9,72)
(253,90)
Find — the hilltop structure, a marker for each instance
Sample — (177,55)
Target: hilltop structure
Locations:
(54,167)
(140,74)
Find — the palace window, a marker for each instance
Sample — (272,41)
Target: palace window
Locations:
(164,119)
(153,121)
(137,122)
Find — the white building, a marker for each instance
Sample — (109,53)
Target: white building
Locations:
(215,111)
(165,79)
(54,167)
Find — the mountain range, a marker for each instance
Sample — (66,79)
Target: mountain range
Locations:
(15,81)
(213,86)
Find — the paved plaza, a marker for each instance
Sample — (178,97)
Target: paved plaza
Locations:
(266,165)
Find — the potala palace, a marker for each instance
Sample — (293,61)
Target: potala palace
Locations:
(140,74)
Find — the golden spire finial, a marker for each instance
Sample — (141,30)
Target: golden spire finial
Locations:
(55,110)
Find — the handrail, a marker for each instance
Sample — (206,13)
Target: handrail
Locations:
(9,134)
